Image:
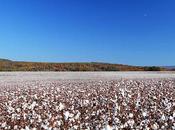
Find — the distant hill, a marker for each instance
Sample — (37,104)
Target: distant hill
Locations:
(8,65)
(169,67)
(4,60)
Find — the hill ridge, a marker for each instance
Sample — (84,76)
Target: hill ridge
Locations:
(9,65)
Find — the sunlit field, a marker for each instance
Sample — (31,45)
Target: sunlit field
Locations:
(87,100)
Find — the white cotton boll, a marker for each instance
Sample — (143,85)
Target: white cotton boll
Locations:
(24,106)
(49,128)
(147,128)
(44,127)
(35,96)
(71,115)
(124,104)
(49,116)
(18,116)
(58,89)
(126,125)
(117,107)
(31,121)
(122,92)
(115,100)
(155,127)
(32,106)
(116,97)
(129,96)
(162,127)
(173,126)
(107,127)
(77,115)
(75,127)
(87,117)
(173,103)
(174,114)
(18,109)
(163,117)
(122,126)
(44,103)
(3,125)
(138,103)
(171,118)
(15,127)
(66,115)
(169,105)
(13,116)
(131,115)
(116,128)
(72,120)
(10,109)
(144,114)
(117,120)
(154,97)
(131,122)
(27,128)
(61,106)
(39,119)
(59,123)
(86,102)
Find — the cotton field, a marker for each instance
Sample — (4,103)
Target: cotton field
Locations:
(87,101)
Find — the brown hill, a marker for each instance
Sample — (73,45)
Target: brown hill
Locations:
(8,65)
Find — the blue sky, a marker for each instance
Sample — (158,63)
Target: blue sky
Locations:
(135,32)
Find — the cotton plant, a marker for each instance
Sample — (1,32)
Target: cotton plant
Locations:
(100,105)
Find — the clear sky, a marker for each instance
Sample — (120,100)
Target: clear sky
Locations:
(135,32)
